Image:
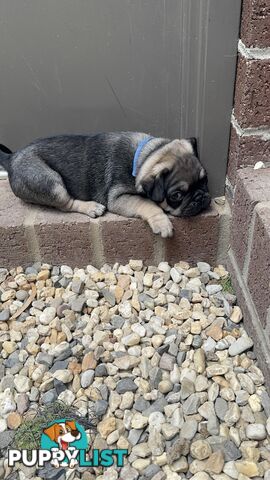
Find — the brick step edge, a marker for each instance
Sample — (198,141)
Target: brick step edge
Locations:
(31,233)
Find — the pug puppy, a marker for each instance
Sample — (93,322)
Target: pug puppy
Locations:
(127,173)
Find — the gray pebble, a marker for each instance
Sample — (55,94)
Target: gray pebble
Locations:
(126,385)
(21,295)
(189,429)
(87,378)
(6,438)
(231,452)
(191,405)
(101,370)
(157,406)
(186,294)
(77,286)
(197,341)
(59,365)
(150,471)
(117,322)
(181,356)
(59,386)
(141,404)
(49,397)
(212,289)
(44,359)
(221,407)
(77,304)
(65,354)
(13,361)
(109,296)
(4,315)
(7,382)
(101,407)
(240,345)
(134,436)
(155,376)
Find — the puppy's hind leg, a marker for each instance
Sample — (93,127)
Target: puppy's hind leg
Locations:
(40,184)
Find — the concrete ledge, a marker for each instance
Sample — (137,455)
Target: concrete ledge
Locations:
(29,233)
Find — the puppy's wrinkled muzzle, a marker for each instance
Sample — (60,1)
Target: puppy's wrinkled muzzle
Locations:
(199,202)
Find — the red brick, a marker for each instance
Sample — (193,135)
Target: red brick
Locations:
(259,265)
(252,93)
(255,25)
(245,151)
(14,248)
(194,238)
(64,238)
(252,187)
(126,238)
(76,240)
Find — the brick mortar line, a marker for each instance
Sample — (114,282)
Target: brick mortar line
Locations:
(159,249)
(224,226)
(251,307)
(262,132)
(249,244)
(267,323)
(96,239)
(253,53)
(230,187)
(31,236)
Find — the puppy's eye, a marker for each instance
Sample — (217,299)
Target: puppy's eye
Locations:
(176,196)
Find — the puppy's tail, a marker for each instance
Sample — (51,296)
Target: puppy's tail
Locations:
(5,155)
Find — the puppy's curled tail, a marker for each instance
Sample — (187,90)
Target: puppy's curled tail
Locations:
(5,154)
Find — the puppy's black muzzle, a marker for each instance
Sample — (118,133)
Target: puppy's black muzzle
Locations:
(199,201)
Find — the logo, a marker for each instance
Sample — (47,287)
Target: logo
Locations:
(65,443)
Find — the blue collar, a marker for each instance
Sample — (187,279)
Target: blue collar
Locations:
(137,154)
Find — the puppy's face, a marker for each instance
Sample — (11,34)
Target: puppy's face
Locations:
(63,433)
(178,182)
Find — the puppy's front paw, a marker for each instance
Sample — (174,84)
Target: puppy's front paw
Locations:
(73,463)
(161,224)
(55,463)
(94,209)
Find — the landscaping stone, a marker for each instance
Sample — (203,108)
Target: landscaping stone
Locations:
(158,354)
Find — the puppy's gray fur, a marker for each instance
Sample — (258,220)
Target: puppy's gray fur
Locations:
(89,174)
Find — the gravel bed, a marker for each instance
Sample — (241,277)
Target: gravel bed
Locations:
(159,354)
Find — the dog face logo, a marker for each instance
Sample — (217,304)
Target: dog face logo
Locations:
(63,433)
(64,438)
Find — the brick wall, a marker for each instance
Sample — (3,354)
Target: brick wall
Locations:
(30,233)
(250,131)
(249,189)
(249,256)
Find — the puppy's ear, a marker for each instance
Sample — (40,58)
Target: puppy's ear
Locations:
(72,424)
(51,432)
(154,187)
(193,142)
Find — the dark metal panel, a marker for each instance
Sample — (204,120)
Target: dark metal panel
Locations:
(162,66)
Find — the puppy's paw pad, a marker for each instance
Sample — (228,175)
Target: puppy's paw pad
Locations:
(161,224)
(95,209)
